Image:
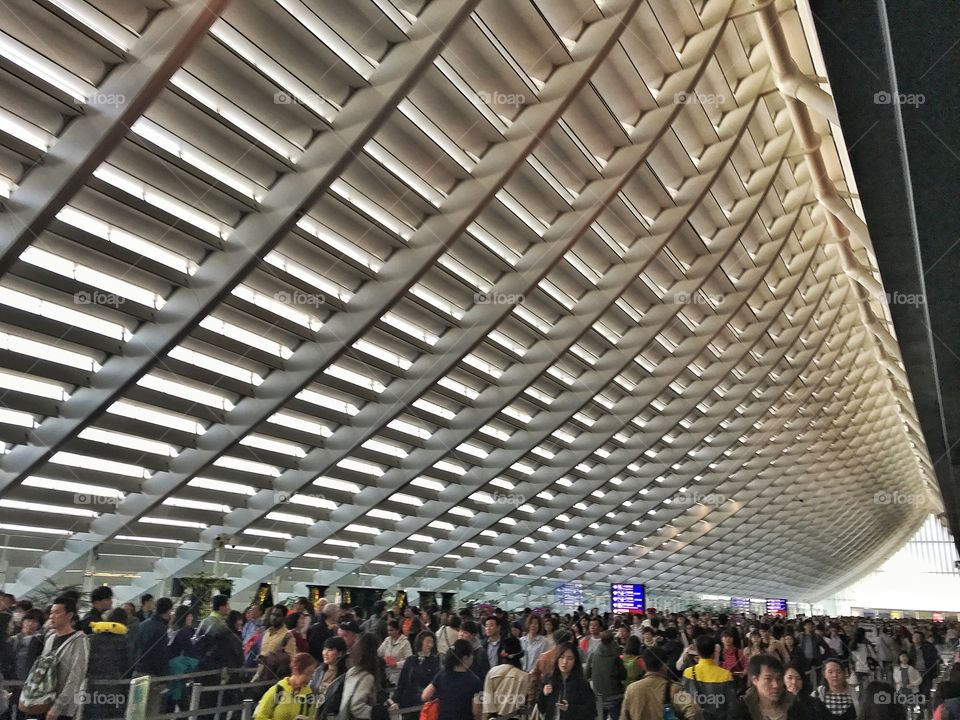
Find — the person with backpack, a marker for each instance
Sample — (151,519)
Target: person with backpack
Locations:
(656,696)
(632,661)
(52,688)
(292,698)
(711,686)
(606,673)
(25,647)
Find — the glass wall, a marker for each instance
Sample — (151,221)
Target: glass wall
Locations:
(921,576)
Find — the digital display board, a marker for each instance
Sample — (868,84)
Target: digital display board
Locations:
(740,604)
(776,606)
(627,598)
(570,594)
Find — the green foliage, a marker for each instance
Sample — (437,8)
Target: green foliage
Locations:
(49,591)
(203,587)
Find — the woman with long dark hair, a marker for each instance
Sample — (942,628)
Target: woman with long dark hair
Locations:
(360,687)
(566,690)
(456,687)
(328,678)
(417,673)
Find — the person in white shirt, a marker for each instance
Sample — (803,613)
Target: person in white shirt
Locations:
(394,651)
(533,643)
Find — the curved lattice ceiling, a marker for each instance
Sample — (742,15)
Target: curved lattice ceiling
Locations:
(459,295)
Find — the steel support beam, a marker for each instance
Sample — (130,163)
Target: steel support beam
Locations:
(323,162)
(166,43)
(372,300)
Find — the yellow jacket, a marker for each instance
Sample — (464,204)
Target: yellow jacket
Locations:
(282,702)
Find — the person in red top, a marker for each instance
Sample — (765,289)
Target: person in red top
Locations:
(732,657)
(298,624)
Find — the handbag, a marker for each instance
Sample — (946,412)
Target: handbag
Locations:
(430,710)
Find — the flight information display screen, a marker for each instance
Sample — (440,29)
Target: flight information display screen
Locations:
(776,606)
(740,603)
(627,598)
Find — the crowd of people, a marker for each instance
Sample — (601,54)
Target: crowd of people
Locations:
(331,662)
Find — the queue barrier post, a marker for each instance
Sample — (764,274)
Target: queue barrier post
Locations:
(247,712)
(195,689)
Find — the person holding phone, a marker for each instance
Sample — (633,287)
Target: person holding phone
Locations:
(566,694)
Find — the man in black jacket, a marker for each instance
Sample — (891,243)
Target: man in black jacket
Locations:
(101,600)
(151,653)
(925,658)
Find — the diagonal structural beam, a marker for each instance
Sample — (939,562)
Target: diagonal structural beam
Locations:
(612,465)
(253,238)
(563,462)
(590,309)
(166,43)
(293,194)
(558,93)
(373,299)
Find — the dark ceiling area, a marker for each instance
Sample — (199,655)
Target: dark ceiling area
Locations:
(893,68)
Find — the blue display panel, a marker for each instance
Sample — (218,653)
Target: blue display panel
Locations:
(740,604)
(776,606)
(627,598)
(570,594)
